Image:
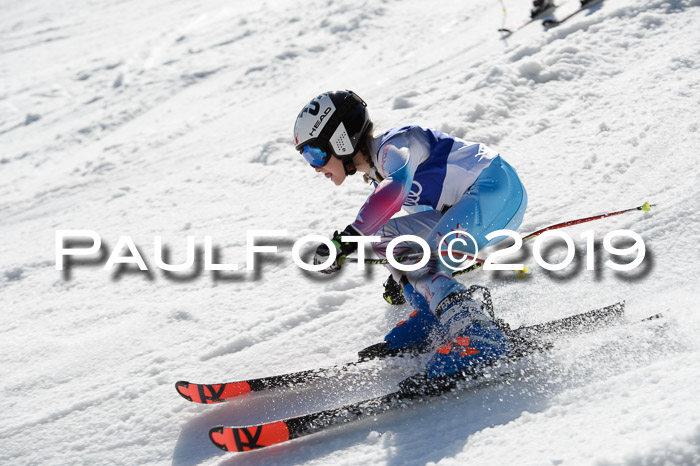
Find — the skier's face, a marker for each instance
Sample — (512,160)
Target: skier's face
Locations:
(333,170)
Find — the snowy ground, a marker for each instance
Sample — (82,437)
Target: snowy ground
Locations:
(175,118)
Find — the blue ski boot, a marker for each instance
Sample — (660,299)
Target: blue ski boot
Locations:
(472,340)
(421,327)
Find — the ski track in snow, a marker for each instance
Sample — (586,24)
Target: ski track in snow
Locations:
(175,118)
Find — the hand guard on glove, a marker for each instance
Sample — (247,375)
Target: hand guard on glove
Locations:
(342,250)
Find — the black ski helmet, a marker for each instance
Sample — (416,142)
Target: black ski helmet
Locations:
(335,122)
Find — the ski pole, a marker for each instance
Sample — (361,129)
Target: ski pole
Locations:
(644,208)
(480,262)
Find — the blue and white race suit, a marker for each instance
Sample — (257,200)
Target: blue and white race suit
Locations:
(450,185)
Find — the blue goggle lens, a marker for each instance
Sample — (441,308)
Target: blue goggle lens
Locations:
(315,156)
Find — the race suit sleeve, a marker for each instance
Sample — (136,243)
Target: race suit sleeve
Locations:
(400,165)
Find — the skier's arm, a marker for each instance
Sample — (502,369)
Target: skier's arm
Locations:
(391,193)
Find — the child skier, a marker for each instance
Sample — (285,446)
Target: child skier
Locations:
(451,185)
(540,7)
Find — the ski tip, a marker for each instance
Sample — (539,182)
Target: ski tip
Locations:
(216,435)
(211,393)
(250,437)
(377,350)
(382,350)
(181,386)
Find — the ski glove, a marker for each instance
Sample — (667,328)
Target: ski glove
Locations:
(342,250)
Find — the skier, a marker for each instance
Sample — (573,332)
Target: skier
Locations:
(450,185)
(539,7)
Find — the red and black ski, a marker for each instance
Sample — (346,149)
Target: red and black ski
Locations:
(219,392)
(414,389)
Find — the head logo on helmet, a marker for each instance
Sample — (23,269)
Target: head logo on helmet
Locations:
(312,108)
(336,122)
(320,119)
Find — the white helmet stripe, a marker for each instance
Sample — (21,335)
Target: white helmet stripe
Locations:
(313,118)
(341,141)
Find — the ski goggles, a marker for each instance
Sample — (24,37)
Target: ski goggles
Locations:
(316,157)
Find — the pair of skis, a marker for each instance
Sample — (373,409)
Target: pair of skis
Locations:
(551,22)
(417,388)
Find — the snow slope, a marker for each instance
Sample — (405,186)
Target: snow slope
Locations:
(175,118)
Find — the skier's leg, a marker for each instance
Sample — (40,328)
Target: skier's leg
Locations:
(421,325)
(479,212)
(420,328)
(496,201)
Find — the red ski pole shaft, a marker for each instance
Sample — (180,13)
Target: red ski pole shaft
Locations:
(644,207)
(479,262)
